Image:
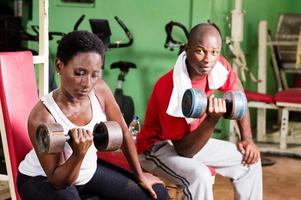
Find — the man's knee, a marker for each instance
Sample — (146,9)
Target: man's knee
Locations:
(200,174)
(258,168)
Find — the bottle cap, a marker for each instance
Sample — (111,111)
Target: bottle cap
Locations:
(135,117)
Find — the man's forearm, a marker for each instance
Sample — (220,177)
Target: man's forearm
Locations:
(245,127)
(194,142)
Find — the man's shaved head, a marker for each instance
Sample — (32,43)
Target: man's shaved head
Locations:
(202,31)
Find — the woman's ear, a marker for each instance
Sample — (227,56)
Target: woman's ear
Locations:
(58,65)
(185,47)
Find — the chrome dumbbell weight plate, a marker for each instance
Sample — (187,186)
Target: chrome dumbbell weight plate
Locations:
(236,103)
(194,103)
(50,138)
(107,136)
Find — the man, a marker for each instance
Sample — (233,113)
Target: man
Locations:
(181,149)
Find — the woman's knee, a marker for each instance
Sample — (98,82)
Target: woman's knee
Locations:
(69,193)
(160,191)
(48,192)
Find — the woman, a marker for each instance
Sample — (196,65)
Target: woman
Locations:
(82,100)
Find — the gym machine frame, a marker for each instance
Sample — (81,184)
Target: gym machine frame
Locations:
(284,108)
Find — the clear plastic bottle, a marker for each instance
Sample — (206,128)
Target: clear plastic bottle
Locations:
(134,126)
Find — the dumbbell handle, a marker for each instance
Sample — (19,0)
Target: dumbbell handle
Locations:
(50,137)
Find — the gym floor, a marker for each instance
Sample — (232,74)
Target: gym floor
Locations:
(280,181)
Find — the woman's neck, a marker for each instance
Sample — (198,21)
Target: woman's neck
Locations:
(78,111)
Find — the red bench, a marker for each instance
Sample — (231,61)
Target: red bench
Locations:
(284,101)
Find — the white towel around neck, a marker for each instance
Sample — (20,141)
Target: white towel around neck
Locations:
(182,82)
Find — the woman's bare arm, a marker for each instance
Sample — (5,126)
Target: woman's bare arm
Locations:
(60,173)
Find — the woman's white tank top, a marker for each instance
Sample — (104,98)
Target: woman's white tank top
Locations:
(31,166)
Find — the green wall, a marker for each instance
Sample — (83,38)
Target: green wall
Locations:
(147,19)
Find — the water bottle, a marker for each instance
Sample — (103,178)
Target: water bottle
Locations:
(134,126)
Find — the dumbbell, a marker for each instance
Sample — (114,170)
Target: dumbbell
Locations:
(50,137)
(195,102)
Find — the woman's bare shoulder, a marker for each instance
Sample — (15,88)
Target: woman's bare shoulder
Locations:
(102,90)
(39,114)
(101,86)
(105,96)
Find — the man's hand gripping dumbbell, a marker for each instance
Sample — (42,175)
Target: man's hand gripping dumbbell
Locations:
(107,136)
(195,103)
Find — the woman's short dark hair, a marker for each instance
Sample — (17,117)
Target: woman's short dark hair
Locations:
(79,42)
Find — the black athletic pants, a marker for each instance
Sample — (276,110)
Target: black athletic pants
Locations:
(108,183)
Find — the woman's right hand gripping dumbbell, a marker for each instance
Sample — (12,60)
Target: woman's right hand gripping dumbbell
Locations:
(216,107)
(80,141)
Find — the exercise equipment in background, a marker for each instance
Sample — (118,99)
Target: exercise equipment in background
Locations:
(239,64)
(15,111)
(287,136)
(171,43)
(125,102)
(101,28)
(285,48)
